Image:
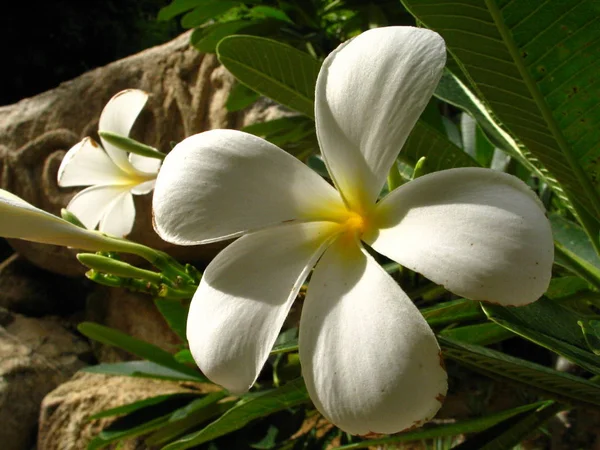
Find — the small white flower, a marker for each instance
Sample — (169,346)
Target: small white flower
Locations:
(370,361)
(21,220)
(112,174)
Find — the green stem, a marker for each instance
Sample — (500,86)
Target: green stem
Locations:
(394,179)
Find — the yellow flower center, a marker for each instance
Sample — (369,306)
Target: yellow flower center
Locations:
(356,224)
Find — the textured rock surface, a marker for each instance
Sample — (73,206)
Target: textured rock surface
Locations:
(64,417)
(36,355)
(29,290)
(188,94)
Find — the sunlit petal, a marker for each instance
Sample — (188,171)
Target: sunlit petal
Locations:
(118,116)
(143,188)
(119,216)
(223,183)
(144,164)
(370,92)
(244,297)
(480,233)
(22,220)
(86,164)
(370,361)
(90,204)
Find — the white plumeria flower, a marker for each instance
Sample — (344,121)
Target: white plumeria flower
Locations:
(112,174)
(22,220)
(370,361)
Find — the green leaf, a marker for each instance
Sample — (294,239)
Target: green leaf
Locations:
(177,7)
(552,383)
(273,69)
(439,151)
(140,421)
(247,409)
(273,13)
(451,429)
(131,407)
(175,314)
(452,90)
(511,432)
(480,334)
(209,10)
(533,64)
(591,332)
(184,356)
(453,311)
(143,369)
(190,416)
(240,97)
(574,249)
(139,348)
(205,39)
(549,324)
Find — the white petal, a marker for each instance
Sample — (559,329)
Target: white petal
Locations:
(91,204)
(118,116)
(480,233)
(144,164)
(119,216)
(222,183)
(370,361)
(86,164)
(370,92)
(244,297)
(143,188)
(22,220)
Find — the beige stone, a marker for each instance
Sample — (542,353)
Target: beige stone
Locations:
(36,355)
(64,417)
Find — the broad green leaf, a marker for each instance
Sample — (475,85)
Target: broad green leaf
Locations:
(209,10)
(552,383)
(247,409)
(453,311)
(273,13)
(137,347)
(534,66)
(574,249)
(439,151)
(551,325)
(480,334)
(451,429)
(143,369)
(177,7)
(205,39)
(511,432)
(565,287)
(131,407)
(273,69)
(452,90)
(240,97)
(175,314)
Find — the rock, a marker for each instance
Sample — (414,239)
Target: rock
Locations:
(132,313)
(64,417)
(29,290)
(188,94)
(36,355)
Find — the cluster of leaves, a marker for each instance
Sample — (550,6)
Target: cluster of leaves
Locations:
(520,95)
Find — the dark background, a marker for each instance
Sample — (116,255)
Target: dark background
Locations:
(47,42)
